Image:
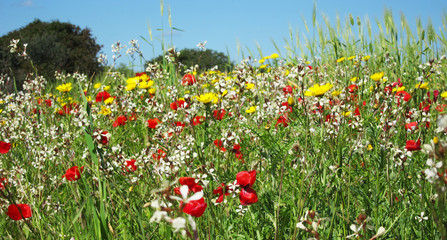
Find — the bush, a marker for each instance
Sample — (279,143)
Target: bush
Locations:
(52,46)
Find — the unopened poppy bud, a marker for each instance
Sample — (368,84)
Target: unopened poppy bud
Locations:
(312,215)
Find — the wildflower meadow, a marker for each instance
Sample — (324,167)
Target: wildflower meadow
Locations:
(339,135)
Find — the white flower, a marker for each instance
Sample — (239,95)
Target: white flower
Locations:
(184,189)
(178,224)
(421,218)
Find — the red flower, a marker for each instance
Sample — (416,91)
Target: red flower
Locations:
(413,145)
(284,120)
(188,79)
(219,144)
(16,211)
(248,196)
(103,138)
(406,96)
(287,89)
(198,120)
(246,178)
(2,181)
(219,114)
(195,208)
(411,126)
(191,183)
(131,165)
(160,154)
(152,123)
(178,104)
(102,96)
(73,173)
(353,88)
(120,121)
(4,147)
(222,191)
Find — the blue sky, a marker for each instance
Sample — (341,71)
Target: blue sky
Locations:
(223,24)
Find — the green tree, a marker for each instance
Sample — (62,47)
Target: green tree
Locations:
(206,59)
(52,46)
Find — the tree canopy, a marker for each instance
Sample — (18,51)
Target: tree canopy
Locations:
(52,46)
(205,59)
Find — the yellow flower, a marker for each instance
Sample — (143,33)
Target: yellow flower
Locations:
(435,140)
(444,94)
(262,61)
(64,87)
(249,86)
(146,84)
(97,85)
(370,147)
(89,98)
(336,93)
(346,114)
(351,57)
(377,76)
(151,91)
(1,110)
(366,58)
(290,101)
(341,59)
(208,98)
(353,79)
(274,55)
(130,87)
(287,72)
(317,90)
(109,100)
(134,80)
(398,89)
(144,77)
(105,111)
(262,66)
(251,109)
(224,93)
(422,85)
(106,88)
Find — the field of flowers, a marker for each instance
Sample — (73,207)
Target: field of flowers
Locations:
(348,145)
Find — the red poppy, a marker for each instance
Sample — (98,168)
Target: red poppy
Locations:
(120,121)
(191,183)
(195,208)
(103,138)
(353,88)
(219,114)
(16,211)
(198,120)
(159,155)
(406,96)
(152,123)
(102,96)
(73,173)
(411,126)
(222,191)
(248,196)
(284,120)
(246,178)
(424,106)
(67,108)
(178,104)
(412,145)
(131,165)
(2,181)
(4,147)
(188,79)
(287,89)
(218,143)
